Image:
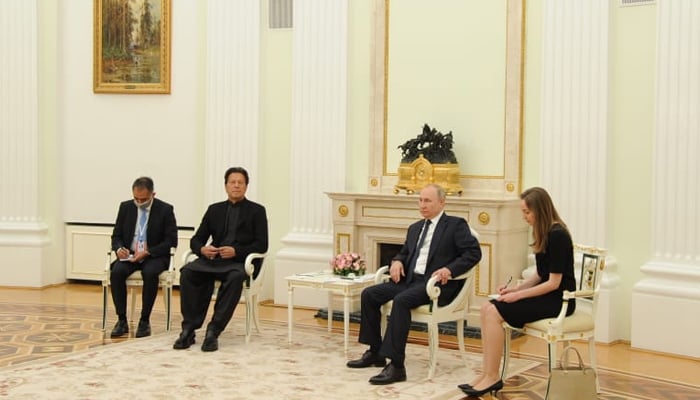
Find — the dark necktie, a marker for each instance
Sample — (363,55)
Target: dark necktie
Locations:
(412,264)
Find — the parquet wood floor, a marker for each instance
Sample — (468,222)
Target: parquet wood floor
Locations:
(39,323)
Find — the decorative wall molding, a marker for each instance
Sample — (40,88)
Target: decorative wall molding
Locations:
(24,234)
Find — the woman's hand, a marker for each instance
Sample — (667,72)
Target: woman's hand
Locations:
(511,296)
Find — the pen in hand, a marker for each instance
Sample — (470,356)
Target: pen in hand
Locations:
(507,283)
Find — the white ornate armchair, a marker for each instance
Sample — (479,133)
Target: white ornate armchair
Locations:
(251,288)
(134,281)
(590,261)
(432,314)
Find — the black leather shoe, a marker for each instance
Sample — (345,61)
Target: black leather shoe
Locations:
(121,328)
(211,342)
(491,389)
(389,374)
(368,359)
(185,340)
(143,330)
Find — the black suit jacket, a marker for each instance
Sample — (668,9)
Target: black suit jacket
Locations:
(251,229)
(452,246)
(161,233)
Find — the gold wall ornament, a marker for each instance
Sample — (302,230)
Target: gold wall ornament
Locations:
(415,176)
(374,182)
(484,218)
(343,210)
(510,187)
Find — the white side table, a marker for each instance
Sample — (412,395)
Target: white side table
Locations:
(332,284)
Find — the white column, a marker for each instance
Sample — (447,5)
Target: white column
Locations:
(575,130)
(232,93)
(319,112)
(669,294)
(23,234)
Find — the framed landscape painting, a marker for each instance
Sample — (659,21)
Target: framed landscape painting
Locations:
(131,46)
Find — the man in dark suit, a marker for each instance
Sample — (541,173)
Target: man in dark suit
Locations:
(143,234)
(237,227)
(438,245)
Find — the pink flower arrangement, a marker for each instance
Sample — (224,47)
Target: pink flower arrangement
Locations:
(348,263)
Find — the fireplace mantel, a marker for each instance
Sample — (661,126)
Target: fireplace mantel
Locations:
(362,222)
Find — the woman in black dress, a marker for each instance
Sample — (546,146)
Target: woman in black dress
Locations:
(537,297)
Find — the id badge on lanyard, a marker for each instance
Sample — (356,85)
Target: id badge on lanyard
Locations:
(141,238)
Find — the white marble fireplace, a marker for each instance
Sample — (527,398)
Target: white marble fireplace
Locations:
(363,222)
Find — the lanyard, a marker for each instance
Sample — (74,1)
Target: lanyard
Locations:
(141,236)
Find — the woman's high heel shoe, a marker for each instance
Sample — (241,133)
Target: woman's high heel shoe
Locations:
(463,386)
(476,393)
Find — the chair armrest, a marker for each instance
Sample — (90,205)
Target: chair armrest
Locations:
(108,268)
(171,263)
(382,275)
(249,267)
(188,256)
(433,290)
(566,296)
(108,262)
(579,293)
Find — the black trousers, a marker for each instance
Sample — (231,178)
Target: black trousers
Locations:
(150,269)
(196,289)
(406,296)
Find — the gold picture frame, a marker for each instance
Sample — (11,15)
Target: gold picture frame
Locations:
(126,60)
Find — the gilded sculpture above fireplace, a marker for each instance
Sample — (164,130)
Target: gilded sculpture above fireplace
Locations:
(426,159)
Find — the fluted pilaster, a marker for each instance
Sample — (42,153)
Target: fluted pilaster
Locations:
(18,113)
(575,128)
(232,105)
(574,114)
(671,287)
(319,112)
(319,102)
(22,230)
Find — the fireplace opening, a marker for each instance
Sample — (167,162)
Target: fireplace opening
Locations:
(387,251)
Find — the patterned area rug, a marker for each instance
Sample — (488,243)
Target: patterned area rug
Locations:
(312,367)
(57,351)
